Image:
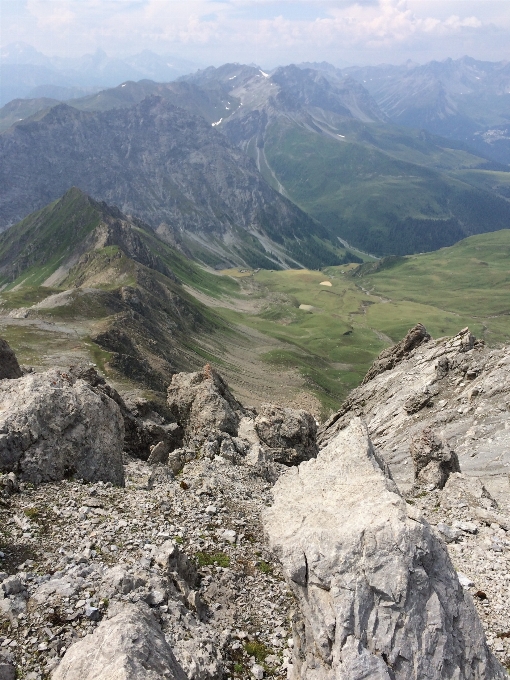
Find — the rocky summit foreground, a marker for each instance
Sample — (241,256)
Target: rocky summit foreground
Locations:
(205,540)
(378,595)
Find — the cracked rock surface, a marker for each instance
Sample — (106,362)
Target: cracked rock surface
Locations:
(378,595)
(460,389)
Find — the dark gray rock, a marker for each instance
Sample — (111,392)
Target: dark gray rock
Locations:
(7,667)
(9,367)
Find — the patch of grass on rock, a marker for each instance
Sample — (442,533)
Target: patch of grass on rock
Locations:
(219,559)
(257,650)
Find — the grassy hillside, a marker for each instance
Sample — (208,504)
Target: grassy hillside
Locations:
(470,280)
(366,190)
(332,333)
(32,250)
(140,310)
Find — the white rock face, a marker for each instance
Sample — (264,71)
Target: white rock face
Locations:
(457,387)
(129,646)
(378,596)
(53,426)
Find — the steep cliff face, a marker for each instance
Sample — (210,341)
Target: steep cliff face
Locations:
(157,162)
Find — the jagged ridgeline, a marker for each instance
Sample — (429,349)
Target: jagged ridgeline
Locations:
(81,262)
(168,167)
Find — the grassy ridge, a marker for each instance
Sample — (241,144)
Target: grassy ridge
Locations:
(32,250)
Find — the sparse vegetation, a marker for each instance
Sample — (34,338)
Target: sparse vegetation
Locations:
(206,559)
(257,649)
(265,567)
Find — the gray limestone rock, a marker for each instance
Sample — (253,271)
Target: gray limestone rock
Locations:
(173,561)
(128,646)
(433,459)
(377,593)
(468,409)
(201,402)
(467,491)
(9,367)
(390,357)
(144,428)
(291,432)
(53,426)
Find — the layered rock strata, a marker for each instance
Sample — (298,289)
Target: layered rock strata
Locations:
(456,386)
(377,593)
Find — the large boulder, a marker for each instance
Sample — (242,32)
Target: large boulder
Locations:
(290,433)
(377,593)
(144,427)
(54,426)
(128,646)
(202,402)
(9,367)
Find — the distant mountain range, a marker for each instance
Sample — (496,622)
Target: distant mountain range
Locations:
(462,99)
(26,72)
(358,150)
(319,137)
(166,166)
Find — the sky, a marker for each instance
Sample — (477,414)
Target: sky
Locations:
(266,32)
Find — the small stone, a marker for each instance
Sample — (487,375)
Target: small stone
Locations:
(92,613)
(468,527)
(464,581)
(211,510)
(12,585)
(257,671)
(229,535)
(449,533)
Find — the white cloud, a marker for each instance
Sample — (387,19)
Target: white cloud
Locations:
(276,30)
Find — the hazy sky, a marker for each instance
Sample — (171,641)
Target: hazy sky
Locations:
(267,32)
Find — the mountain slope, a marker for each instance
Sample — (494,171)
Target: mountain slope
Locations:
(462,99)
(320,139)
(87,265)
(169,168)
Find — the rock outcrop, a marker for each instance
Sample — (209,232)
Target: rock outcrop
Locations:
(9,367)
(144,427)
(290,433)
(392,356)
(212,422)
(128,646)
(377,593)
(202,402)
(53,426)
(433,460)
(456,386)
